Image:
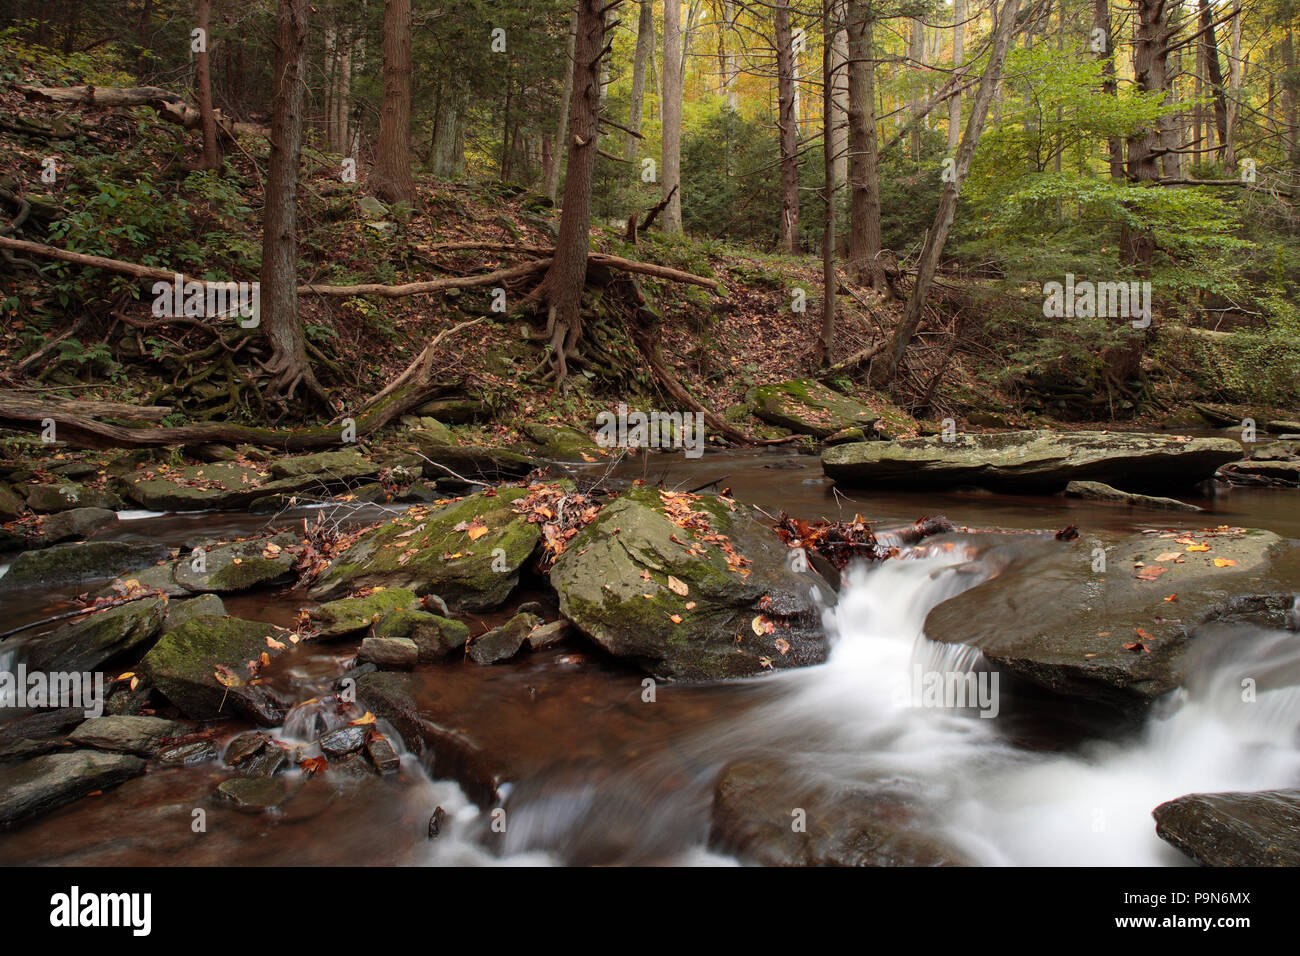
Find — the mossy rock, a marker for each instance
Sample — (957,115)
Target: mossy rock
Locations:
(502,643)
(184,664)
(119,633)
(808,407)
(350,615)
(456,411)
(435,432)
(476,462)
(435,636)
(613,584)
(337,465)
(64,495)
(238,566)
(562,442)
(219,485)
(11,505)
(79,561)
(427,555)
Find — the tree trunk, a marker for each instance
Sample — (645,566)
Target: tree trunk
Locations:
(645,39)
(1291,105)
(883,372)
(564,281)
(342,99)
(558,146)
(1149,71)
(916,56)
(1101,23)
(670,165)
(958,55)
(1214,73)
(1234,86)
(448,159)
(211,158)
(829,120)
(838,135)
(727,37)
(787,126)
(864,173)
(391,178)
(289,367)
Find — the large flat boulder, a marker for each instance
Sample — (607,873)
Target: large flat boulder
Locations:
(475,462)
(1118,635)
(689,587)
(1036,460)
(80,561)
(233,485)
(469,552)
(46,783)
(1234,829)
(808,407)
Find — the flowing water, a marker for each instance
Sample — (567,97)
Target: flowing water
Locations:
(602,776)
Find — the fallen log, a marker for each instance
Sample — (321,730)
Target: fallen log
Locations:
(170,106)
(12,399)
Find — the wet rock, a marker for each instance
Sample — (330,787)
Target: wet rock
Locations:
(428,555)
(474,462)
(126,700)
(756,806)
(1054,621)
(621,583)
(75,523)
(502,643)
(1234,829)
(1041,460)
(544,635)
(270,761)
(334,465)
(158,578)
(385,694)
(1096,491)
(437,821)
(353,765)
(239,566)
(66,495)
(1282,472)
(46,783)
(437,433)
(184,663)
(343,740)
(178,612)
(72,563)
(389,653)
(221,486)
(845,435)
(434,635)
(88,644)
(382,754)
(350,615)
(808,407)
(186,755)
(245,746)
(11,505)
(562,443)
(255,794)
(142,736)
(38,733)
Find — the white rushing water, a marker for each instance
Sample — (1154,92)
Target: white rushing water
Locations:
(863,719)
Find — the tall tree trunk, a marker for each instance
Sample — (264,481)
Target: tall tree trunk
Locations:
(558,147)
(1291,105)
(1214,73)
(1106,52)
(448,159)
(289,366)
(838,135)
(1150,73)
(958,55)
(391,178)
(916,54)
(864,150)
(1235,73)
(670,164)
(645,41)
(563,283)
(787,128)
(828,194)
(211,158)
(342,98)
(886,366)
(730,71)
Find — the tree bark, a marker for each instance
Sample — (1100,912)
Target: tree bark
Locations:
(448,157)
(1214,72)
(645,38)
(958,55)
(1101,22)
(391,178)
(787,126)
(828,194)
(670,164)
(1234,86)
(839,135)
(883,372)
(211,158)
(559,144)
(562,286)
(289,366)
(864,158)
